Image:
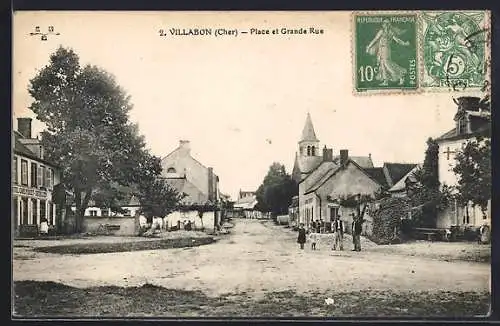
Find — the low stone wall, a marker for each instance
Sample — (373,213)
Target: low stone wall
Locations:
(91,224)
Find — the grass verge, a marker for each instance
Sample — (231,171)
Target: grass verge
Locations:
(96,248)
(49,299)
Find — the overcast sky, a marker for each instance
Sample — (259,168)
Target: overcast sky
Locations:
(241,101)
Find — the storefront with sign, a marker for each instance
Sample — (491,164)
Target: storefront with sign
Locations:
(33,180)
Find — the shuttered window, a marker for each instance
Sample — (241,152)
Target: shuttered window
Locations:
(40,176)
(24,172)
(14,170)
(33,175)
(47,178)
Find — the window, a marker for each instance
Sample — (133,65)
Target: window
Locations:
(308,150)
(14,170)
(104,212)
(39,176)
(313,151)
(43,176)
(462,126)
(127,212)
(33,174)
(50,212)
(334,212)
(43,208)
(93,212)
(24,172)
(171,170)
(34,210)
(51,178)
(46,181)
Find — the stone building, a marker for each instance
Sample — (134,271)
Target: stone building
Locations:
(33,180)
(472,119)
(199,182)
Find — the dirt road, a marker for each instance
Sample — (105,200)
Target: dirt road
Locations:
(257,257)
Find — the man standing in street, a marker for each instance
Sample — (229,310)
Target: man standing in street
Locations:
(356,233)
(338,229)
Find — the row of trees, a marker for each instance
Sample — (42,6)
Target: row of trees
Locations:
(101,153)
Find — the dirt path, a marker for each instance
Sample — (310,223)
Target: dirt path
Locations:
(256,258)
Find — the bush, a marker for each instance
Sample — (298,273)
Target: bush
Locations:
(387,220)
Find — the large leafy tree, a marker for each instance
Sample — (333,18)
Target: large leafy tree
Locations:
(473,169)
(88,130)
(276,191)
(427,193)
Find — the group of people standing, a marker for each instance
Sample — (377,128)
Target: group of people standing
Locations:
(337,229)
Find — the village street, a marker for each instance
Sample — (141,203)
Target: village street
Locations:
(257,257)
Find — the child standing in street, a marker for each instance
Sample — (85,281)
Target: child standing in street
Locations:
(313,237)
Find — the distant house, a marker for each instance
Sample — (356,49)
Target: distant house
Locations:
(130,205)
(246,203)
(33,180)
(198,182)
(406,183)
(471,120)
(123,223)
(394,172)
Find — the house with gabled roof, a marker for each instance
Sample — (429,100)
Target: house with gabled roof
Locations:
(326,180)
(472,120)
(322,191)
(321,178)
(197,182)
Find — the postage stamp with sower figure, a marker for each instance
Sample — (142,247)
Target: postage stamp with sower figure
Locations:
(455,49)
(385,49)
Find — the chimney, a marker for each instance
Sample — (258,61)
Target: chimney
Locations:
(185,145)
(327,154)
(211,184)
(344,156)
(24,127)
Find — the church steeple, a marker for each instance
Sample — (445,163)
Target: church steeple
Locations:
(309,143)
(308,133)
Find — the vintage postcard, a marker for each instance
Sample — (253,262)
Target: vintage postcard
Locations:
(230,164)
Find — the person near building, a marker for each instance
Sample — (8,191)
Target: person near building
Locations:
(301,239)
(44,226)
(338,229)
(356,232)
(313,237)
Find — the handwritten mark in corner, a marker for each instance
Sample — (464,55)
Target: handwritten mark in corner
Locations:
(44,35)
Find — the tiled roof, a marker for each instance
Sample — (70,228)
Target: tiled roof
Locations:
(395,171)
(182,185)
(321,174)
(448,134)
(378,175)
(364,161)
(485,129)
(401,184)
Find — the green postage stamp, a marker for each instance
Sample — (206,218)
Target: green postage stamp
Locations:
(385,52)
(420,51)
(455,49)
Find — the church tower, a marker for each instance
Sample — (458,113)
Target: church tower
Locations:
(309,143)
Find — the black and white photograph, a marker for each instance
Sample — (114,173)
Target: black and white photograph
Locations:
(267,164)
